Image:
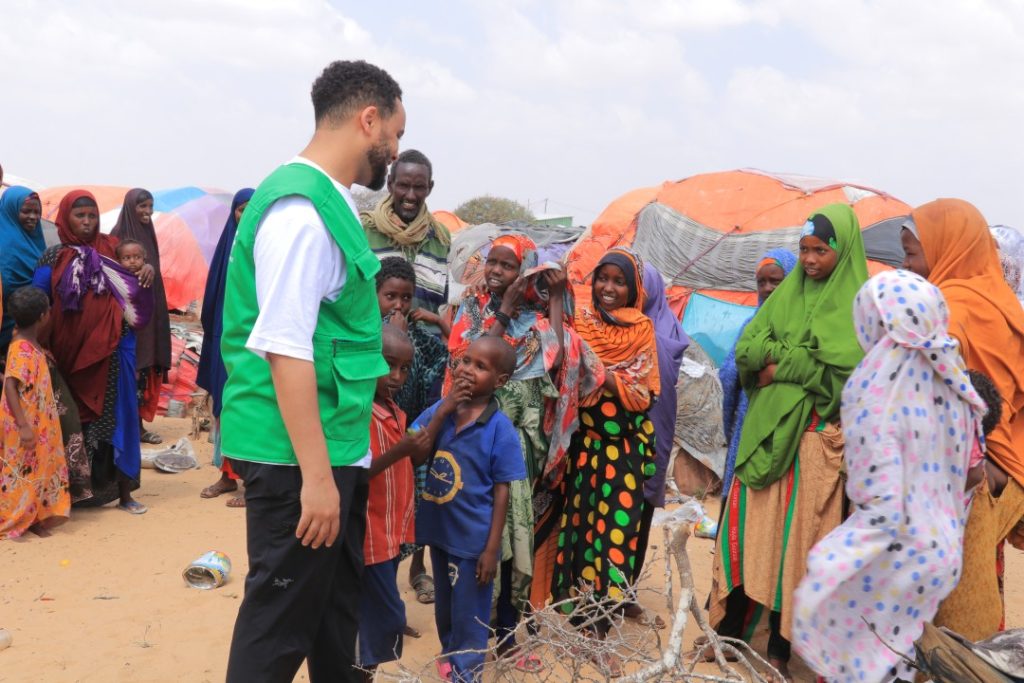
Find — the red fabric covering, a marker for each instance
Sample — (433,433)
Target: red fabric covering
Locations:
(150,397)
(181,378)
(225,467)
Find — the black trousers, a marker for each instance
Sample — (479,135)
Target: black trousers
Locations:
(299,603)
(737,608)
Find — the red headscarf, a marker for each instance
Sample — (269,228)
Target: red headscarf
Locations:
(105,244)
(84,341)
(517,244)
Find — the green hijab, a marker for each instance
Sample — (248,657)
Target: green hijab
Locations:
(806,327)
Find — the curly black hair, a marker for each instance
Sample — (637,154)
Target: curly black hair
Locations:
(395,267)
(393,335)
(412,156)
(990,395)
(127,243)
(504,355)
(26,305)
(345,86)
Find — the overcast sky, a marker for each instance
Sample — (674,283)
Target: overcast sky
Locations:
(574,101)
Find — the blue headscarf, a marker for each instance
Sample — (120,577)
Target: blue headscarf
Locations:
(212,374)
(19,250)
(734,401)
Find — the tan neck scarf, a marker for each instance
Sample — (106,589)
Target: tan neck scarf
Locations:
(386,222)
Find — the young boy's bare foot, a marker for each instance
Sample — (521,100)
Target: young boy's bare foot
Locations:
(223,485)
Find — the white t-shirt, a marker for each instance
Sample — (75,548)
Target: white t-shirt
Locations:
(298,267)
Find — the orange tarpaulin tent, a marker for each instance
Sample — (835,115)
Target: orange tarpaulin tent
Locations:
(705,234)
(732,203)
(450,221)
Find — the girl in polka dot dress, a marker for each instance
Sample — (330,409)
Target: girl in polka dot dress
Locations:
(612,454)
(911,419)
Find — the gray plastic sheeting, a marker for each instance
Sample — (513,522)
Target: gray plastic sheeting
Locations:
(690,254)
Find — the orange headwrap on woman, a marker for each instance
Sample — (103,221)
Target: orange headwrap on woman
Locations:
(984,313)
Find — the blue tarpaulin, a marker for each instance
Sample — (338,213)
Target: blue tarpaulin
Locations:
(714,324)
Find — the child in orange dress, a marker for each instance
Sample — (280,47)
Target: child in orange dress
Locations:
(33,471)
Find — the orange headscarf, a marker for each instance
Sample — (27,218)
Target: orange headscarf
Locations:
(624,340)
(984,313)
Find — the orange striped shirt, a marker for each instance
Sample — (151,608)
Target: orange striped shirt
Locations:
(389,513)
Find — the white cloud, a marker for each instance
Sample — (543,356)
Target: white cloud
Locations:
(922,98)
(672,15)
(575,100)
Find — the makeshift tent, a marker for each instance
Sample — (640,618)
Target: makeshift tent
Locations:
(705,234)
(470,246)
(188,223)
(450,221)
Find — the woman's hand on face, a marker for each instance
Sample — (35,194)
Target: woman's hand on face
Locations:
(767,375)
(146,275)
(514,296)
(556,280)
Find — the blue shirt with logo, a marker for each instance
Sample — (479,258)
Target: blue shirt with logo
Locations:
(455,511)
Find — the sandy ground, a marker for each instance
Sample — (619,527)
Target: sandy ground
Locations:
(103,599)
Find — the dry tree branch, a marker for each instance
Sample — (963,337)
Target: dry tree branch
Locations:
(569,653)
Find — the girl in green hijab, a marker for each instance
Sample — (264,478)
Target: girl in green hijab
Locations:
(796,354)
(793,359)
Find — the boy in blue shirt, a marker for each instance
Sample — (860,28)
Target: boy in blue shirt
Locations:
(465,500)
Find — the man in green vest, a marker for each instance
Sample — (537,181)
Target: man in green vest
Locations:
(302,347)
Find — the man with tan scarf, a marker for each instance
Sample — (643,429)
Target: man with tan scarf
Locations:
(402,225)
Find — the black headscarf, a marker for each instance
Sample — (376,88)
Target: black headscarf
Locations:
(632,268)
(154,340)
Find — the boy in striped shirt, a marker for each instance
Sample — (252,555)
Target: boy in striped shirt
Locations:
(389,513)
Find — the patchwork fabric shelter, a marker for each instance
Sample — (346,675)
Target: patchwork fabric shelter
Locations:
(188,223)
(705,233)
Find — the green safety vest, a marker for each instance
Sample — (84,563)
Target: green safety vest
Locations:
(346,343)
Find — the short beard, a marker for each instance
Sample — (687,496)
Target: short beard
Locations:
(378,157)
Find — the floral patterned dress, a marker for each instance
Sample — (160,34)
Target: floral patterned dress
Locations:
(33,481)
